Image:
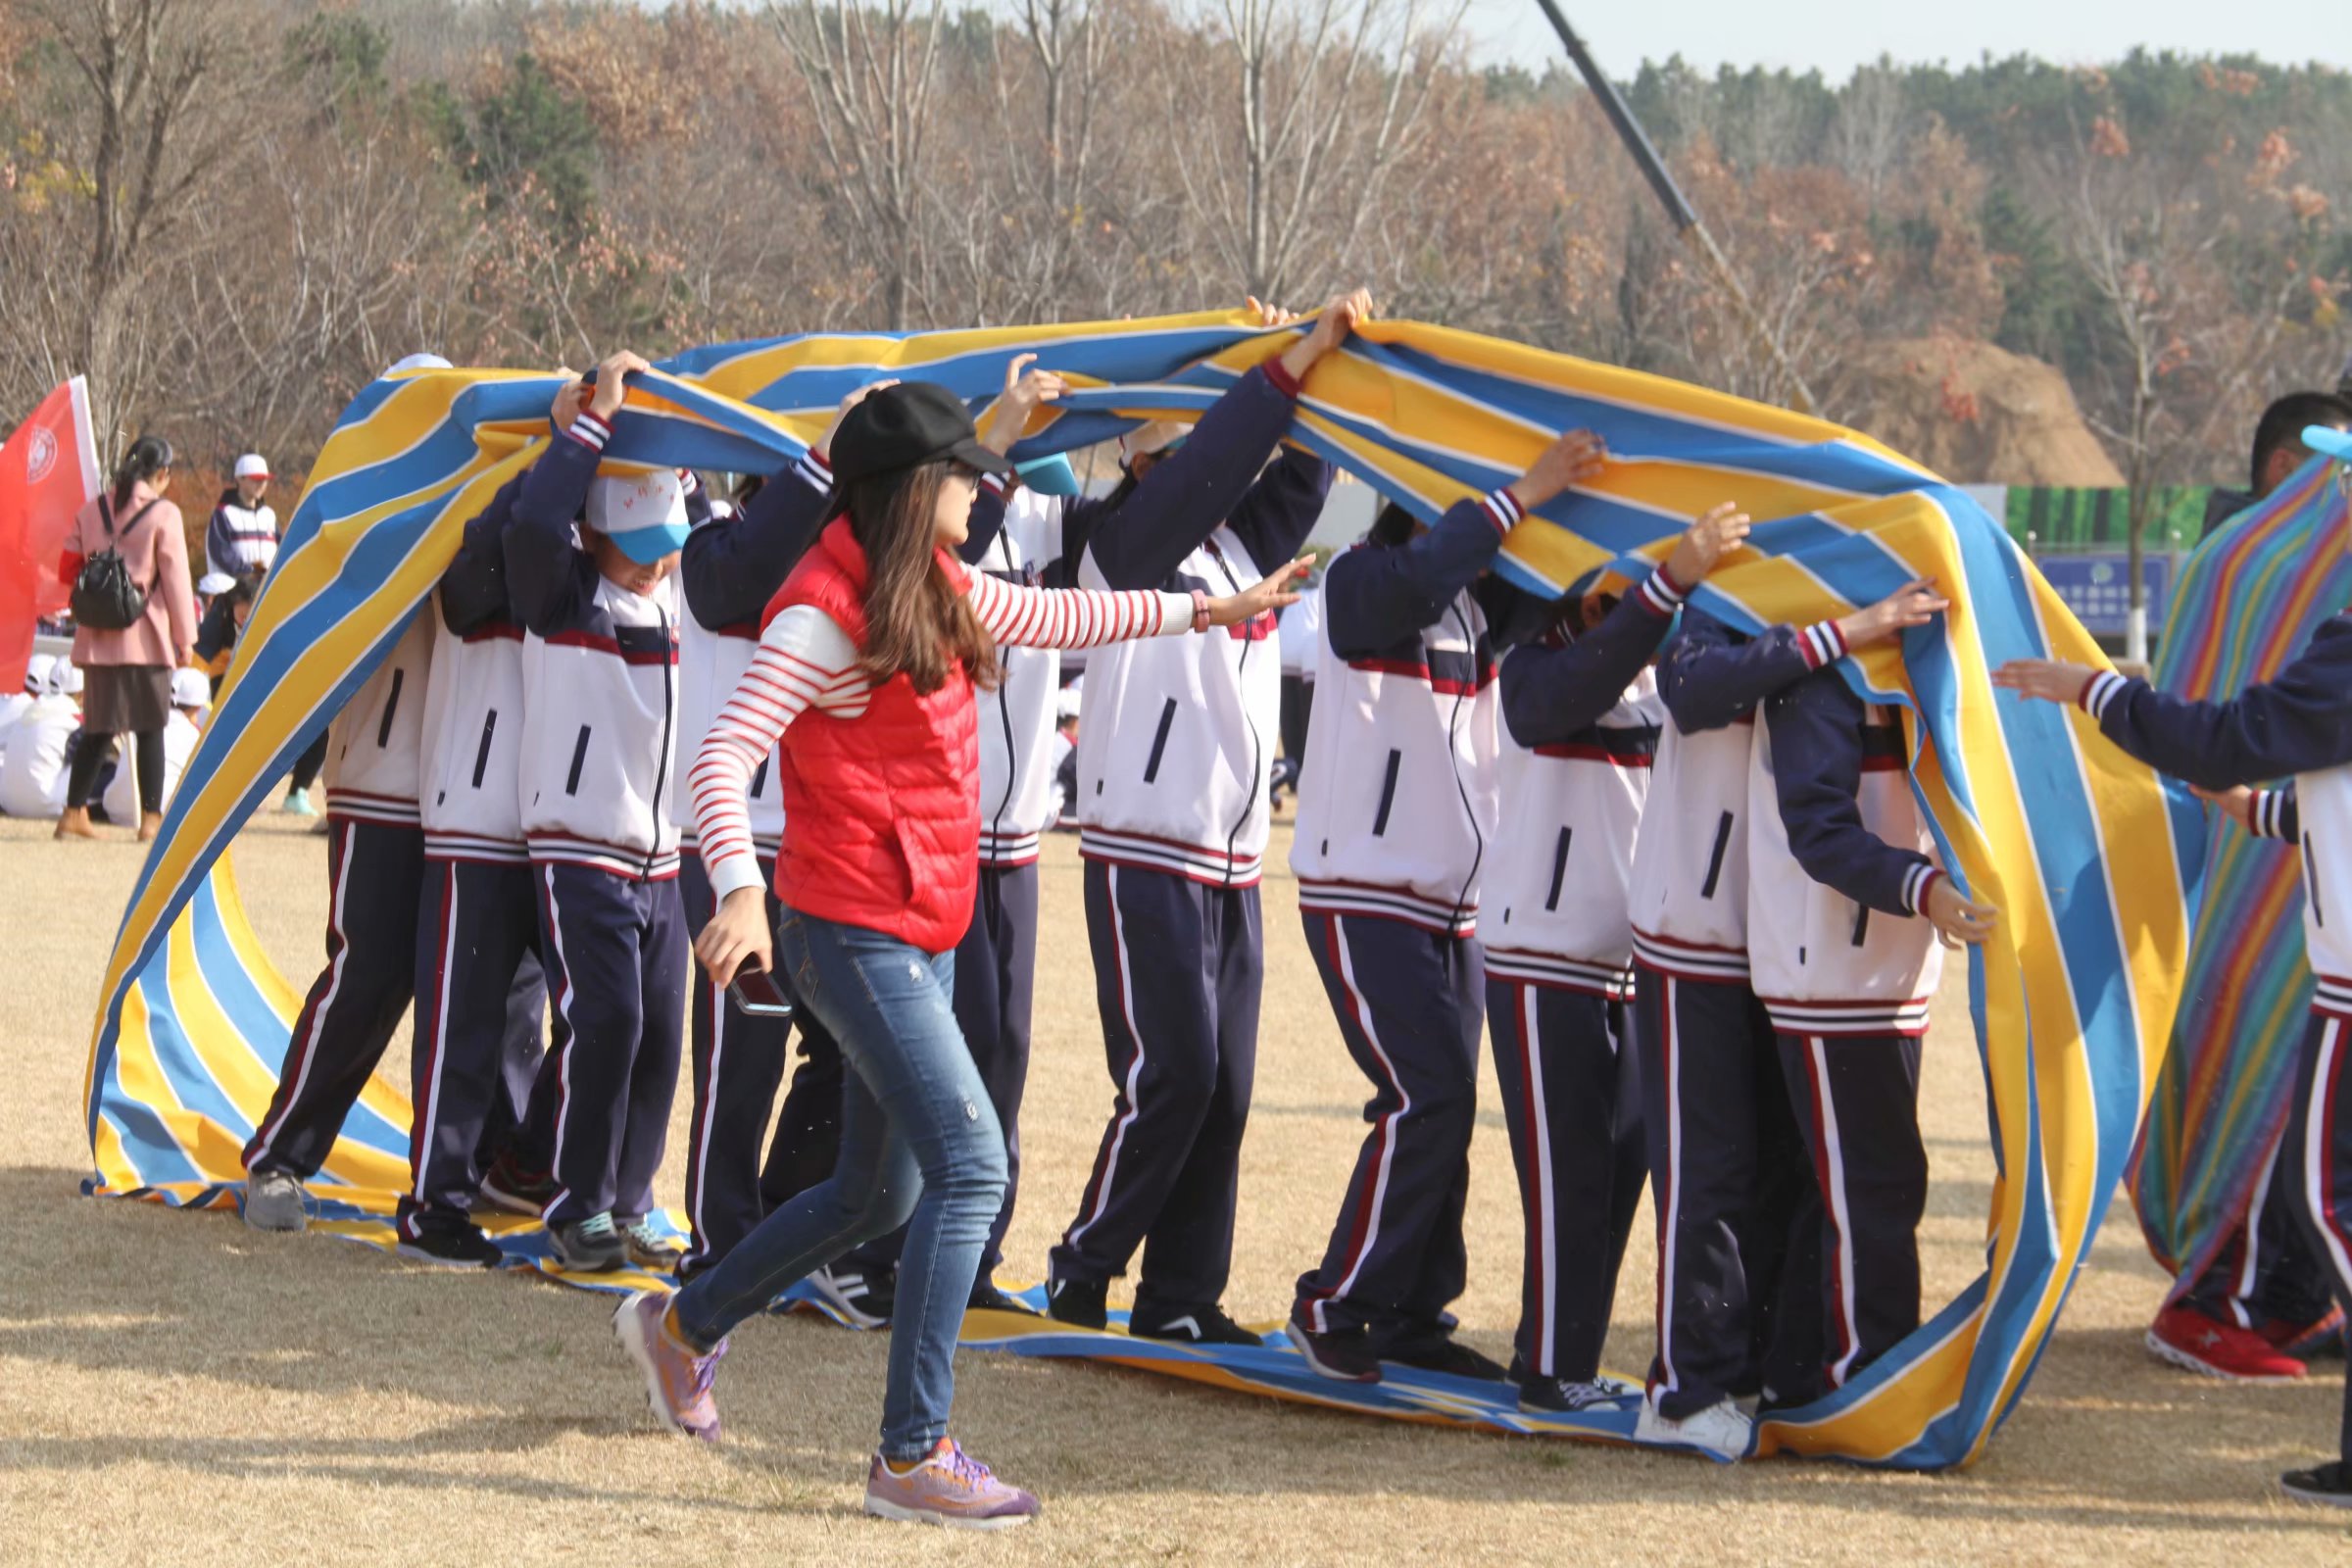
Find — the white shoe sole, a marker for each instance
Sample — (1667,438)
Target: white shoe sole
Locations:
(629,1329)
(2188,1363)
(1659,1432)
(499,1198)
(417,1254)
(881,1508)
(830,1294)
(2317,1499)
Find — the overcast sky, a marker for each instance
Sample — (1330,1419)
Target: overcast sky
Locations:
(1836,35)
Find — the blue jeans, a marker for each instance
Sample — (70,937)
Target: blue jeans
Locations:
(920,1147)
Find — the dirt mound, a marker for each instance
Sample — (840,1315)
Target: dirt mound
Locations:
(1973,413)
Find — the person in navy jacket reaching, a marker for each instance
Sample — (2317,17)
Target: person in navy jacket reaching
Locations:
(2299,725)
(1581,717)
(1739,1307)
(1394,821)
(1844,907)
(1174,764)
(597,766)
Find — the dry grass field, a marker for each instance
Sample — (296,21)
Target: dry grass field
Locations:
(176,1388)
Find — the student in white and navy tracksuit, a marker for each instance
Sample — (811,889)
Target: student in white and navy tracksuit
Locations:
(1173,765)
(375,871)
(598,764)
(731,568)
(1393,827)
(1727,1166)
(242,537)
(2298,725)
(1844,960)
(481,986)
(1581,720)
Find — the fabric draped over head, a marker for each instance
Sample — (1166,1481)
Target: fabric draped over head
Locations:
(2091,861)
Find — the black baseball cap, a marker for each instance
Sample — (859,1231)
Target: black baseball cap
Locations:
(904,426)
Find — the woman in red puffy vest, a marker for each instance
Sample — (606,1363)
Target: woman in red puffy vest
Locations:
(865,672)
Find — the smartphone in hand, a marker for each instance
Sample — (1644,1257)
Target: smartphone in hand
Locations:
(758,995)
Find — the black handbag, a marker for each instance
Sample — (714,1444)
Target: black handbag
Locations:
(104,597)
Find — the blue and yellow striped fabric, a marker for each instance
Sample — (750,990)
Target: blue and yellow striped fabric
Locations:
(2033,811)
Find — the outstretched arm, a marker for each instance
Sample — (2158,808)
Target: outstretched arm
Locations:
(1018,616)
(2299,722)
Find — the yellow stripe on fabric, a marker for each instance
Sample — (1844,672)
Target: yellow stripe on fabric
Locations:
(276,991)
(311,679)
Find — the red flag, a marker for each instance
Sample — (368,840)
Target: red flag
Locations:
(48,472)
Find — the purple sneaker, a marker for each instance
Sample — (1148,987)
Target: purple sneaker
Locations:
(677,1382)
(948,1487)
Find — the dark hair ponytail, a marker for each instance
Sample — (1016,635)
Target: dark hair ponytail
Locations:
(149,456)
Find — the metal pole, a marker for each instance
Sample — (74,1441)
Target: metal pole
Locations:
(1679,211)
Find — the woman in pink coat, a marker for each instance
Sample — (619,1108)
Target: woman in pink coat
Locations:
(129,673)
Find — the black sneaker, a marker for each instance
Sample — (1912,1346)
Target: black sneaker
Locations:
(1190,1325)
(592,1246)
(1441,1353)
(1344,1356)
(2330,1483)
(1081,1303)
(865,1299)
(1566,1396)
(986,1298)
(452,1247)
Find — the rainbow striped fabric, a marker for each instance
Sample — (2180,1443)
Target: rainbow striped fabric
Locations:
(2249,598)
(2073,1002)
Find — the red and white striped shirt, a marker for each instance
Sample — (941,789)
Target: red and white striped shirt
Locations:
(807,661)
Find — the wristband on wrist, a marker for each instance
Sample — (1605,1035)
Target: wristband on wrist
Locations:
(1200,610)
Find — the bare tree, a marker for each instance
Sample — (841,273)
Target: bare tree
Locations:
(872,71)
(1867,139)
(2181,332)
(166,105)
(1327,97)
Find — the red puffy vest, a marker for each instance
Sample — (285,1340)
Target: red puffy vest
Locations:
(881,811)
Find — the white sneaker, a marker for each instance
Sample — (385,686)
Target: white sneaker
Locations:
(273,1202)
(1721,1429)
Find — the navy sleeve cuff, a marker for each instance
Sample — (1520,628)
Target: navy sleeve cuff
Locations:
(2100,692)
(813,471)
(1503,511)
(1660,594)
(1822,643)
(1922,877)
(590,431)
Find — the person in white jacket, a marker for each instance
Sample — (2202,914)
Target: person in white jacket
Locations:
(32,774)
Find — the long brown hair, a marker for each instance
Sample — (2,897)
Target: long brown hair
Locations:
(916,624)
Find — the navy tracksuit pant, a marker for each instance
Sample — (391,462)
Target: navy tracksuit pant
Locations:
(1856,1099)
(996,971)
(617,965)
(1178,969)
(374,873)
(2266,1272)
(480,997)
(1571,1081)
(1739,1215)
(1409,1004)
(738,1066)
(2318,1149)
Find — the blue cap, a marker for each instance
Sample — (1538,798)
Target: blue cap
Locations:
(643,514)
(2329,441)
(1048,477)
